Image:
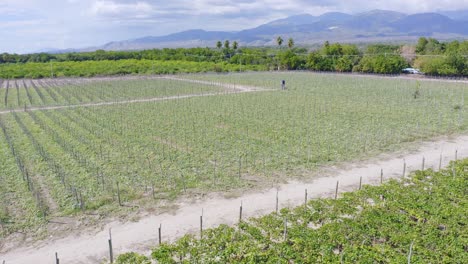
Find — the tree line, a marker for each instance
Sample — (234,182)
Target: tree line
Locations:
(442,58)
(431,56)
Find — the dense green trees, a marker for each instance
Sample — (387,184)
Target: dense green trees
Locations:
(334,57)
(120,67)
(289,60)
(434,57)
(439,58)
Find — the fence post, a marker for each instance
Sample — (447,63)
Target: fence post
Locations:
(336,191)
(159,233)
(440,161)
(305,198)
(201,225)
(276,201)
(404,168)
(111,253)
(240,213)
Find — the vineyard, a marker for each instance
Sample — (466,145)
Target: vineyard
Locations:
(418,219)
(25,94)
(109,159)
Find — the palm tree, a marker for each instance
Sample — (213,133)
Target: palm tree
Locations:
(279,40)
(219,44)
(235,45)
(226,44)
(291,43)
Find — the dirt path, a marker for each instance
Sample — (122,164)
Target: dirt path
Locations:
(244,88)
(142,235)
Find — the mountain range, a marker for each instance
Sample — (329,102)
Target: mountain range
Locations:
(372,26)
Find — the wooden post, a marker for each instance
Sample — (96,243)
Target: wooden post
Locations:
(360,183)
(277,201)
(404,168)
(159,234)
(57,260)
(305,199)
(456,155)
(201,226)
(440,161)
(381,176)
(336,191)
(240,213)
(111,253)
(423,161)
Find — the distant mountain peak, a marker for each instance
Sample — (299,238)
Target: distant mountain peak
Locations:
(374,25)
(295,20)
(380,11)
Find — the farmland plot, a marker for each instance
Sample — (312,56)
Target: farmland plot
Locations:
(105,159)
(17,94)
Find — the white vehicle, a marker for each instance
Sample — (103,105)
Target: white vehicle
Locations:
(411,71)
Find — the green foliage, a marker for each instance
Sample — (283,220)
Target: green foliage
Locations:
(132,258)
(382,49)
(421,46)
(235,45)
(446,59)
(381,64)
(380,58)
(120,67)
(279,41)
(291,43)
(290,60)
(334,57)
(426,212)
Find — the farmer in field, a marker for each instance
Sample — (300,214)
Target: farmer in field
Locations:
(283,85)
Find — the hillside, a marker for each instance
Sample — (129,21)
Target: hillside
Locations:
(375,25)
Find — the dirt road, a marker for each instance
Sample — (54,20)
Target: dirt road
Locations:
(142,235)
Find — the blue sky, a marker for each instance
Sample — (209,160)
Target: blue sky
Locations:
(32,25)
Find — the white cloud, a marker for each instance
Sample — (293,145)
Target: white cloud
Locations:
(78,23)
(111,8)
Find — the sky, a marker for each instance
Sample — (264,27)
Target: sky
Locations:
(34,25)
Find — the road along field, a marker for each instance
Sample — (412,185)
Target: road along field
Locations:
(102,160)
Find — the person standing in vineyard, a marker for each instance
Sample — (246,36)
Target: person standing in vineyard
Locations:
(283,85)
